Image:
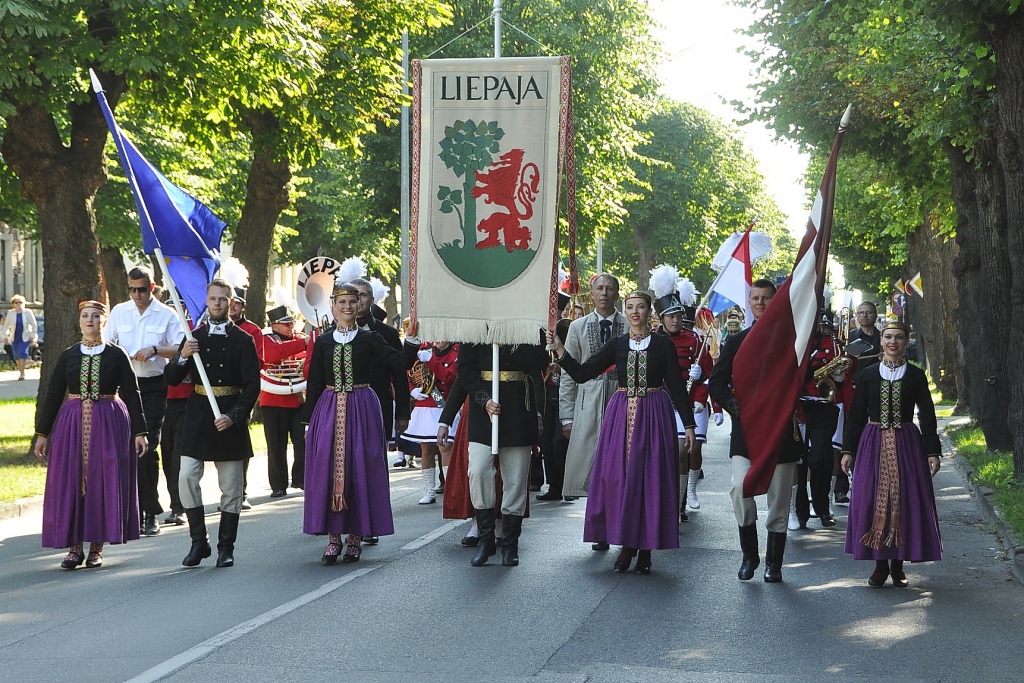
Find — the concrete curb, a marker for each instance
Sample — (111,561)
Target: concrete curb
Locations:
(991,512)
(20,507)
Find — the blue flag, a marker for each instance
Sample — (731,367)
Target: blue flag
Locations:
(183,228)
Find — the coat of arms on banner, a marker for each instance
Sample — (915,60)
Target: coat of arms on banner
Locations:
(493,205)
(485,168)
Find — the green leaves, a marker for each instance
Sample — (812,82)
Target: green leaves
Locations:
(468,145)
(449,198)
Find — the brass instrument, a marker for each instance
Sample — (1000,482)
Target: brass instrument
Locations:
(423,378)
(823,376)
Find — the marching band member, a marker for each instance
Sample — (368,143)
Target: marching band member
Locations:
(347,488)
(237,275)
(91,491)
(677,314)
(781,488)
(518,433)
(582,406)
(819,406)
(281,349)
(233,368)
(633,497)
(435,371)
(891,462)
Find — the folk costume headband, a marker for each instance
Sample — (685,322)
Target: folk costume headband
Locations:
(343,288)
(92,303)
(638,294)
(896,325)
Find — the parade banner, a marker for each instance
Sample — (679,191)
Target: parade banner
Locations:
(484,238)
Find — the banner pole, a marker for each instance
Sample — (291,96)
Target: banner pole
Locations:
(495,370)
(169,281)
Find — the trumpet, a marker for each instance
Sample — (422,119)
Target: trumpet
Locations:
(824,377)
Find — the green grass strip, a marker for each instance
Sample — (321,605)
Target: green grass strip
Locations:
(992,469)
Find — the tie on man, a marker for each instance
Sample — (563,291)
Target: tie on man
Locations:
(606,331)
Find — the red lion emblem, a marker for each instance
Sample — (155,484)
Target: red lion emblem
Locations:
(510,185)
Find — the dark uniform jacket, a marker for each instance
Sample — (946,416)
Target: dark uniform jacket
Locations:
(116,376)
(721,389)
(230,361)
(520,409)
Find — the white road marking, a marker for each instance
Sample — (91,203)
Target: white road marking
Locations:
(435,534)
(193,654)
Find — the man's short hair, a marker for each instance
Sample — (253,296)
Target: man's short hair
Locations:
(220,282)
(141,273)
(362,282)
(609,276)
(764,284)
(874,308)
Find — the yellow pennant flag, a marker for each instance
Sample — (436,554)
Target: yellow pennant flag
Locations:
(915,284)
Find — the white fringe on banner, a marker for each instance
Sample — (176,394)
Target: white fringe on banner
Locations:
(475,331)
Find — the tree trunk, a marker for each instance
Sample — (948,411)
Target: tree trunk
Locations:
(266,196)
(115,277)
(982,272)
(645,259)
(1008,44)
(61,181)
(933,316)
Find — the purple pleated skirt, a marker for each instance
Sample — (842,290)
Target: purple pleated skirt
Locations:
(634,502)
(367,493)
(919,521)
(109,510)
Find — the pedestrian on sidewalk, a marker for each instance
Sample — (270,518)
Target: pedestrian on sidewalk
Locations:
(21,332)
(87,441)
(892,505)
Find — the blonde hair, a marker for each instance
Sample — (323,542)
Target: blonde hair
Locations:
(17,298)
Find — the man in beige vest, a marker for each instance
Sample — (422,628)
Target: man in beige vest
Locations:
(581,406)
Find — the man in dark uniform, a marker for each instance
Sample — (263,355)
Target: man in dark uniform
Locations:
(553,444)
(781,488)
(520,414)
(229,358)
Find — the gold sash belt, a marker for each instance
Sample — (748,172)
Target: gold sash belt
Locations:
(218,391)
(504,376)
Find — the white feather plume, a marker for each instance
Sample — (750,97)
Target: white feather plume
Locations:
(827,295)
(760,246)
(663,280)
(380,290)
(351,268)
(236,274)
(280,296)
(687,291)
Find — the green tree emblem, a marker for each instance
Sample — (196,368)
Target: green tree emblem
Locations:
(467,146)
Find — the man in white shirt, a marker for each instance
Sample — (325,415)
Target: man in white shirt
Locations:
(149,332)
(582,406)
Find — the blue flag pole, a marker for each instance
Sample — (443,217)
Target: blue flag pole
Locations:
(115,131)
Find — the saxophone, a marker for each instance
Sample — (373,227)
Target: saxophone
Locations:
(823,376)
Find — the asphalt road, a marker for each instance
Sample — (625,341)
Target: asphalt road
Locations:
(414,609)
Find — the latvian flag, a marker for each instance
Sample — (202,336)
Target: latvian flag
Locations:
(773,364)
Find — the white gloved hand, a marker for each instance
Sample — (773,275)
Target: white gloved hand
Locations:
(424,355)
(418,395)
(698,407)
(719,419)
(695,371)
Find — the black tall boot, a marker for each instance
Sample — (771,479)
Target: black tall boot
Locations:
(226,535)
(773,557)
(200,541)
(751,559)
(511,528)
(485,523)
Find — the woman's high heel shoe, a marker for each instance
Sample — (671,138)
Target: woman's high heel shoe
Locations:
(333,550)
(74,559)
(899,579)
(881,573)
(643,562)
(624,559)
(353,548)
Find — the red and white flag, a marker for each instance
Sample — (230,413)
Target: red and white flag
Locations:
(773,364)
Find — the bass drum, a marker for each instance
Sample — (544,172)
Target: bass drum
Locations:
(313,291)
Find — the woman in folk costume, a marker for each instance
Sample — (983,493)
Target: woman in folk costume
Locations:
(892,505)
(346,472)
(633,498)
(91,492)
